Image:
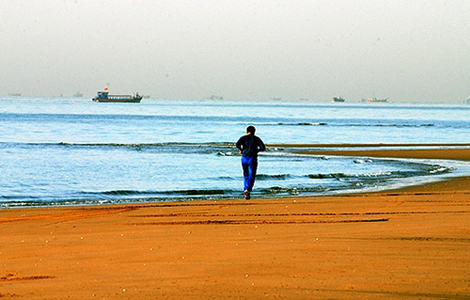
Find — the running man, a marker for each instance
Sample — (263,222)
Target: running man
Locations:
(249,146)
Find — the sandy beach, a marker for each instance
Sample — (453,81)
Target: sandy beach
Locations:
(412,243)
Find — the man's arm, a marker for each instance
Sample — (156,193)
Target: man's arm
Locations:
(239,145)
(262,147)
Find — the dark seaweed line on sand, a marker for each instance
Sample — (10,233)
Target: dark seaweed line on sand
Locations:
(250,222)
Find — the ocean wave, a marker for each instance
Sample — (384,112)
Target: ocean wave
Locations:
(273,177)
(261,177)
(219,149)
(227,153)
(303,124)
(119,192)
(424,171)
(363,161)
(202,192)
(278,190)
(119,196)
(175,144)
(386,125)
(221,144)
(156,193)
(396,125)
(331,175)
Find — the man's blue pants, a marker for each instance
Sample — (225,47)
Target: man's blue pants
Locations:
(249,165)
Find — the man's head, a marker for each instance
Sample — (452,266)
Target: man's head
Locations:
(251,129)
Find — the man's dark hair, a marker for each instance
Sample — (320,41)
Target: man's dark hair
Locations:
(251,129)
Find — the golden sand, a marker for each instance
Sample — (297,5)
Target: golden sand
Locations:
(407,244)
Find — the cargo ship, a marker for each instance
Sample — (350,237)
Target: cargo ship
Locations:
(376,100)
(104,96)
(338,99)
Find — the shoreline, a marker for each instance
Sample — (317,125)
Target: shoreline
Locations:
(408,243)
(447,154)
(447,183)
(380,145)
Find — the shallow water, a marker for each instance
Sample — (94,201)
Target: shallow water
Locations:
(57,151)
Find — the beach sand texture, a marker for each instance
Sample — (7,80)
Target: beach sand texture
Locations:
(408,244)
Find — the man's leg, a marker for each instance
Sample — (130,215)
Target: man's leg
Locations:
(249,165)
(252,173)
(246,173)
(246,176)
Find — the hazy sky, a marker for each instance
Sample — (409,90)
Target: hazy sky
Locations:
(408,50)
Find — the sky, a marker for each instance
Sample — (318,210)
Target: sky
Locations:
(406,50)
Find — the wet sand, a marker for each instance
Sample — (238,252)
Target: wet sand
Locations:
(408,244)
(397,152)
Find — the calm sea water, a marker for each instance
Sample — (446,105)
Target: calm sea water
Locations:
(63,151)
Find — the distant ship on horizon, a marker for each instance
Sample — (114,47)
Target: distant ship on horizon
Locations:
(374,99)
(338,99)
(215,97)
(103,96)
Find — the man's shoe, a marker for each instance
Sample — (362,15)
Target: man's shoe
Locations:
(247,195)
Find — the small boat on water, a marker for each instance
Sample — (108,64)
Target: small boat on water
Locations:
(376,100)
(338,99)
(105,97)
(215,97)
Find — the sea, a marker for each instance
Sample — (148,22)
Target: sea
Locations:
(73,151)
